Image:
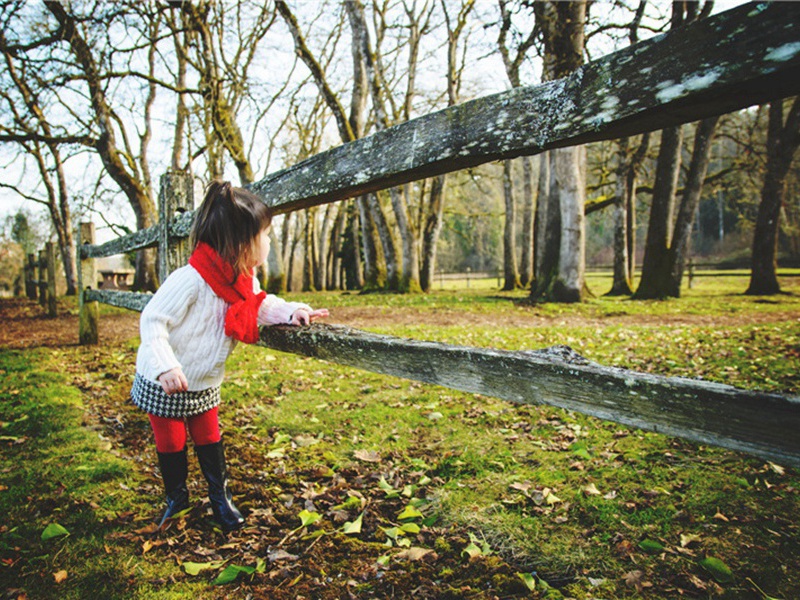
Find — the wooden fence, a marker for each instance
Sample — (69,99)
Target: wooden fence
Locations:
(40,278)
(745,56)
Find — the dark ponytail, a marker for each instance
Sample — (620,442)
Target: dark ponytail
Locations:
(229,220)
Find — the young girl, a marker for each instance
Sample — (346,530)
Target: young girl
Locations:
(189,328)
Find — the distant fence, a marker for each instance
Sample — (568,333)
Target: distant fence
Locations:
(40,278)
(748,55)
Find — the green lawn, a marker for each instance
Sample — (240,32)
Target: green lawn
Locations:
(491,497)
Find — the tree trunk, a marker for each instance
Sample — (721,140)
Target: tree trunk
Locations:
(528,210)
(570,284)
(430,232)
(374,273)
(654,282)
(622,283)
(276,276)
(142,204)
(540,218)
(782,142)
(562,271)
(625,215)
(550,240)
(679,249)
(351,248)
(510,270)
(409,280)
(335,248)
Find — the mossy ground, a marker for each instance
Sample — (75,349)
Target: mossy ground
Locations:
(590,508)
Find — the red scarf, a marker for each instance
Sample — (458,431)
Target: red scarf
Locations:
(241,320)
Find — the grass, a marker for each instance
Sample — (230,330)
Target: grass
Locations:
(594,509)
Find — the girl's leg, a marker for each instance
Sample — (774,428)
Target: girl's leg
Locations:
(204,429)
(170,437)
(170,434)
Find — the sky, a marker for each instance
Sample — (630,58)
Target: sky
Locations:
(486,75)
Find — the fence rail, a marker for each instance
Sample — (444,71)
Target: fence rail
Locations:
(745,56)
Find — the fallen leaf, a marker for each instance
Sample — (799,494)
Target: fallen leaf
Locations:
(409,512)
(231,572)
(719,516)
(53,530)
(689,538)
(472,550)
(367,456)
(776,468)
(276,555)
(60,576)
(193,568)
(651,546)
(635,579)
(528,579)
(353,526)
(591,490)
(414,553)
(308,518)
(718,569)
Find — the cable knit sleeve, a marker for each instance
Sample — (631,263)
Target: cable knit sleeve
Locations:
(275,310)
(167,308)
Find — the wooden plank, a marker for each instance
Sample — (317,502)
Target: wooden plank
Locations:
(745,56)
(144,238)
(87,280)
(759,423)
(52,305)
(131,300)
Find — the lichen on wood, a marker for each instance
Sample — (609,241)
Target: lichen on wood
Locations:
(760,423)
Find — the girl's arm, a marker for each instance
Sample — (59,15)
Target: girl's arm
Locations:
(166,308)
(277,311)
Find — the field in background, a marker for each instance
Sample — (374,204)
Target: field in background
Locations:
(369,486)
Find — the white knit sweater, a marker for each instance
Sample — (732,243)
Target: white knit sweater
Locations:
(183,325)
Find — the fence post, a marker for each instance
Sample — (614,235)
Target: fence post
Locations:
(50,250)
(176,195)
(30,277)
(87,280)
(42,271)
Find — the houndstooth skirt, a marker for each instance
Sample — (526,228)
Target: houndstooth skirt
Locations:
(151,398)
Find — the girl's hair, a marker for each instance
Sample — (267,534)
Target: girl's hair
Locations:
(229,220)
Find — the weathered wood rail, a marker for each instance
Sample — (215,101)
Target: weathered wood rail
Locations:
(745,56)
(40,278)
(759,423)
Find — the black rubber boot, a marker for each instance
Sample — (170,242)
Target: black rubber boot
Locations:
(212,463)
(174,469)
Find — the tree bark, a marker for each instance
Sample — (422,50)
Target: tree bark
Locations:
(563,272)
(528,212)
(679,249)
(654,282)
(622,282)
(432,226)
(570,283)
(510,270)
(782,142)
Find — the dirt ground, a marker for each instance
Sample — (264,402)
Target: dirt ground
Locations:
(25,324)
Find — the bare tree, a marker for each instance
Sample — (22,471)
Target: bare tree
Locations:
(52,175)
(659,254)
(562,266)
(513,63)
(783,139)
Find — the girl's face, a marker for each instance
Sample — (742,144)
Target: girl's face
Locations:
(261,248)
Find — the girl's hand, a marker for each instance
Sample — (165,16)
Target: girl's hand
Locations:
(305,317)
(173,381)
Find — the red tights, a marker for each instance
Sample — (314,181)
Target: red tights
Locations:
(171,433)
